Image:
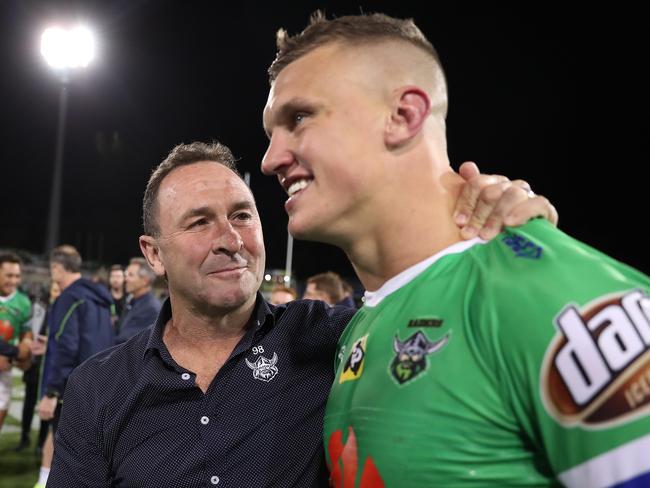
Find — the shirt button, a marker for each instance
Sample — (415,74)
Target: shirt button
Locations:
(204,421)
(185,376)
(214,480)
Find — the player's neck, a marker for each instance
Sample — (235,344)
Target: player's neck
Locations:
(411,231)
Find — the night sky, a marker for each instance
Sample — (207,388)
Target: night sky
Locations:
(549,96)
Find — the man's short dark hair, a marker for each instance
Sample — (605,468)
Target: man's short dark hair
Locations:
(68,257)
(116,267)
(9,257)
(181,155)
(350,29)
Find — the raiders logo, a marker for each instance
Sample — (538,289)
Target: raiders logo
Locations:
(411,355)
(596,371)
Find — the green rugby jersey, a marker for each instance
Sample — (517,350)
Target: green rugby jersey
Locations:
(15,311)
(524,361)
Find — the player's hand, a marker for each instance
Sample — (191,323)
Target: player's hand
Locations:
(24,351)
(46,408)
(488,202)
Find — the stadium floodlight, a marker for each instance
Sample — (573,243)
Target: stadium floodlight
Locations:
(64,50)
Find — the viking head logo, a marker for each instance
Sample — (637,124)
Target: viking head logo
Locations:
(411,357)
(264,369)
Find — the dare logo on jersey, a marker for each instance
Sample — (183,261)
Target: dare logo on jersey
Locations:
(596,371)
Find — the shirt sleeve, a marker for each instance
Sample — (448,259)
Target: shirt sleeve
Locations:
(570,353)
(78,457)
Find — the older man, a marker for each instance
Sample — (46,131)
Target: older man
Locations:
(142,307)
(225,389)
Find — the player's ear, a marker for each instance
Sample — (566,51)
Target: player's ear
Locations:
(410,110)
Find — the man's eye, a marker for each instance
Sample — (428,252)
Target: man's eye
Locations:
(299,117)
(198,223)
(243,216)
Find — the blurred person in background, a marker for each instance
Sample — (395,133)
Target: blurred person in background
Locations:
(282,294)
(142,306)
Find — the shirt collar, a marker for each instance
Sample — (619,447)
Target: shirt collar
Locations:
(262,314)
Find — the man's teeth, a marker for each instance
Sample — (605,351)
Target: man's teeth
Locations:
(297,186)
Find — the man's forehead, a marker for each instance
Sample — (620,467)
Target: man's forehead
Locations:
(203,183)
(10,267)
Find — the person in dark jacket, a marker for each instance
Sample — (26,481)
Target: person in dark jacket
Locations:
(80,327)
(142,307)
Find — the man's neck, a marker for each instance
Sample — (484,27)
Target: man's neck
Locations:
(194,326)
(68,279)
(412,230)
(141,292)
(203,342)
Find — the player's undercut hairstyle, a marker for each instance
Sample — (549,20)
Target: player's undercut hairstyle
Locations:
(68,257)
(351,30)
(181,155)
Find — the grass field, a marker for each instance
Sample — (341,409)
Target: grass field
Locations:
(17,469)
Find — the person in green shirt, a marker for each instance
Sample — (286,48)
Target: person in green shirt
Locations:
(15,310)
(521,361)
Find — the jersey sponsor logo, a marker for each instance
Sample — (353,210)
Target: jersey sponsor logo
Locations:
(353,367)
(264,369)
(522,247)
(343,463)
(425,322)
(411,355)
(596,371)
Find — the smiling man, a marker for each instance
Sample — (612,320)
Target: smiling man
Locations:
(520,361)
(225,389)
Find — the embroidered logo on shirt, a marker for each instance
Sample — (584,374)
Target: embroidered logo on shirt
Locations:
(353,367)
(411,355)
(264,369)
(596,370)
(522,247)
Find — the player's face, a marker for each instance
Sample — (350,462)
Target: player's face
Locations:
(116,279)
(210,245)
(9,278)
(135,283)
(325,125)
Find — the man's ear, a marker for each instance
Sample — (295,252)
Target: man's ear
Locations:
(410,111)
(151,253)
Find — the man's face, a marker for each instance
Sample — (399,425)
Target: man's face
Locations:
(210,245)
(325,122)
(279,297)
(313,293)
(9,278)
(116,279)
(135,283)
